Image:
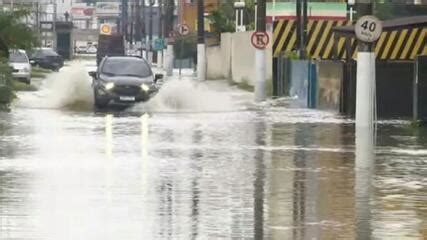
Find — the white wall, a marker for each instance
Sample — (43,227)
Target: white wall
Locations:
(214,69)
(234,59)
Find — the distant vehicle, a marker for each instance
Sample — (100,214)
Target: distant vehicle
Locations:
(124,81)
(110,45)
(21,67)
(81,49)
(47,58)
(91,50)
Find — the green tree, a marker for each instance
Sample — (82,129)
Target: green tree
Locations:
(223,19)
(14,34)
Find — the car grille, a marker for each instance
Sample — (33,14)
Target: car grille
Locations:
(127,90)
(15,70)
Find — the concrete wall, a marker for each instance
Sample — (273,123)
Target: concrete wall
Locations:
(234,59)
(214,69)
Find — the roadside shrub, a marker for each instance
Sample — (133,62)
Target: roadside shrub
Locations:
(6,92)
(185,47)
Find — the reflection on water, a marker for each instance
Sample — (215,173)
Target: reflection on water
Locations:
(244,175)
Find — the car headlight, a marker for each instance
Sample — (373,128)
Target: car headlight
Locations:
(109,86)
(145,87)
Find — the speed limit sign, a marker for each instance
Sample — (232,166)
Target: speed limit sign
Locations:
(368,29)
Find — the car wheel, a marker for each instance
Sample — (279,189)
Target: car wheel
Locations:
(98,102)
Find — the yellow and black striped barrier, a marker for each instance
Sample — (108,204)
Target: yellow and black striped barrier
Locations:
(403,44)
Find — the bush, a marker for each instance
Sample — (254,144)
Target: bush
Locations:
(6,92)
(185,47)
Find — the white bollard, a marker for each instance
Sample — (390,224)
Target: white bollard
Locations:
(159,59)
(365,91)
(165,59)
(260,72)
(201,62)
(169,65)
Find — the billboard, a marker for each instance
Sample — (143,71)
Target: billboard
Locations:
(82,12)
(106,9)
(316,10)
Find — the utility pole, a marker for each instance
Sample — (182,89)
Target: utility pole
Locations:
(138,26)
(150,33)
(160,35)
(201,48)
(299,25)
(124,19)
(144,30)
(260,63)
(168,33)
(302,19)
(54,26)
(304,29)
(132,23)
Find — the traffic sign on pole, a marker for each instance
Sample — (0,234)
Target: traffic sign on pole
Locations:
(183,29)
(260,40)
(159,44)
(105,29)
(368,29)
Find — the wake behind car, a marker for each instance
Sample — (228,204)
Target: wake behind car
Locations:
(124,81)
(47,58)
(21,67)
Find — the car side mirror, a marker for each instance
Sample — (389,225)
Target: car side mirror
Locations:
(158,77)
(92,74)
(32,62)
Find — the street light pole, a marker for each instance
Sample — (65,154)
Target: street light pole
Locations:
(201,48)
(260,63)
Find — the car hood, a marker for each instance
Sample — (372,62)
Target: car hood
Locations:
(20,66)
(125,80)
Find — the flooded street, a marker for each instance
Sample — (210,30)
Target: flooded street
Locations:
(201,161)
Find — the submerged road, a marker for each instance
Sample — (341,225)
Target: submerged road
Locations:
(200,161)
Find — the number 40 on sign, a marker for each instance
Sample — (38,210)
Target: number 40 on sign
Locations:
(368,29)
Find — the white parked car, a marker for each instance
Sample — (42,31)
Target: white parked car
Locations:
(91,50)
(21,67)
(81,49)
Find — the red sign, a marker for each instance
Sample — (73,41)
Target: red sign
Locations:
(82,12)
(260,40)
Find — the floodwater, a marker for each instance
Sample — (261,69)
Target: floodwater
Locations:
(201,161)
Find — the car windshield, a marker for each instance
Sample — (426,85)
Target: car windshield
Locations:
(18,57)
(126,67)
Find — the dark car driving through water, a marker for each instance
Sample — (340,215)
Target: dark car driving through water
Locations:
(123,80)
(47,58)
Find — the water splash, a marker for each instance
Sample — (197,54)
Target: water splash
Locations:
(187,95)
(70,88)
